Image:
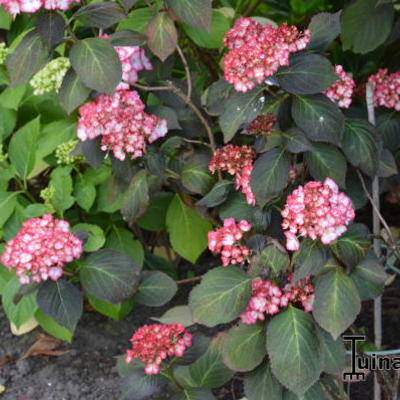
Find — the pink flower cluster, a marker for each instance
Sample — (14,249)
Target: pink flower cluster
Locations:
(121,122)
(387,89)
(15,7)
(257,52)
(262,125)
(342,90)
(226,241)
(269,299)
(317,210)
(238,161)
(152,344)
(41,248)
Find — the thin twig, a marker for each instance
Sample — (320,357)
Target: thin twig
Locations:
(187,71)
(189,280)
(196,142)
(252,8)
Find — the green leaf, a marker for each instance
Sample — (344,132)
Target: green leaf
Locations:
(162,37)
(52,328)
(270,175)
(61,301)
(11,97)
(22,148)
(333,353)
(194,13)
(110,275)
(336,303)
(72,92)
(96,238)
(21,311)
(244,347)
(8,119)
(293,349)
(177,315)
(310,258)
(369,277)
(196,176)
(213,38)
(188,231)
(326,161)
(325,28)
(217,195)
(194,394)
(240,109)
(5,19)
(387,164)
(28,57)
(388,125)
(97,64)
(115,311)
(366,25)
(306,74)
(100,15)
(61,181)
(216,96)
(359,144)
(51,27)
(122,240)
(261,384)
(127,37)
(8,202)
(84,193)
(319,118)
(316,392)
(353,245)
(296,141)
(221,296)
(137,20)
(156,289)
(275,258)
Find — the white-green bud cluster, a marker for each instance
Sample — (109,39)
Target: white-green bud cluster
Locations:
(47,194)
(3,52)
(51,76)
(3,156)
(63,152)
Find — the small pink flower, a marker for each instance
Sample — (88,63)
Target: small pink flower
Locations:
(14,7)
(292,243)
(387,89)
(342,90)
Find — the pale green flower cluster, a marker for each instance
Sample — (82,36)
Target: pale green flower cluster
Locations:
(63,152)
(3,53)
(3,156)
(47,194)
(51,76)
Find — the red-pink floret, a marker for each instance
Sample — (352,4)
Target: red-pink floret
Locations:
(268,299)
(41,248)
(15,7)
(257,52)
(238,161)
(226,241)
(387,89)
(342,90)
(152,344)
(317,210)
(122,123)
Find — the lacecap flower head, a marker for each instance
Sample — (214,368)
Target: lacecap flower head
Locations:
(387,89)
(317,210)
(41,249)
(342,90)
(121,122)
(256,51)
(15,7)
(152,344)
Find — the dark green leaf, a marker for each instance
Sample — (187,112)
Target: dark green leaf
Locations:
(217,95)
(97,64)
(296,141)
(275,258)
(353,245)
(29,57)
(293,349)
(360,146)
(100,15)
(194,394)
(127,37)
(196,176)
(177,315)
(156,289)
(217,195)
(61,301)
(333,353)
(244,347)
(261,384)
(325,27)
(336,303)
(270,175)
(72,92)
(366,25)
(240,109)
(52,328)
(388,125)
(162,37)
(155,216)
(306,74)
(326,161)
(387,164)
(110,275)
(221,296)
(167,113)
(51,26)
(194,13)
(319,118)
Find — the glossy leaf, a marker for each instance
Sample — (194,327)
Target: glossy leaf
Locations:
(156,289)
(324,27)
(50,26)
(194,13)
(52,328)
(162,37)
(333,353)
(100,15)
(217,195)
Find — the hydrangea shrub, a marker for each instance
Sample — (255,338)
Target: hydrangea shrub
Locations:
(141,136)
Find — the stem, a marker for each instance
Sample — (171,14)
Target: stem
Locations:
(168,374)
(189,280)
(251,8)
(187,71)
(376,231)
